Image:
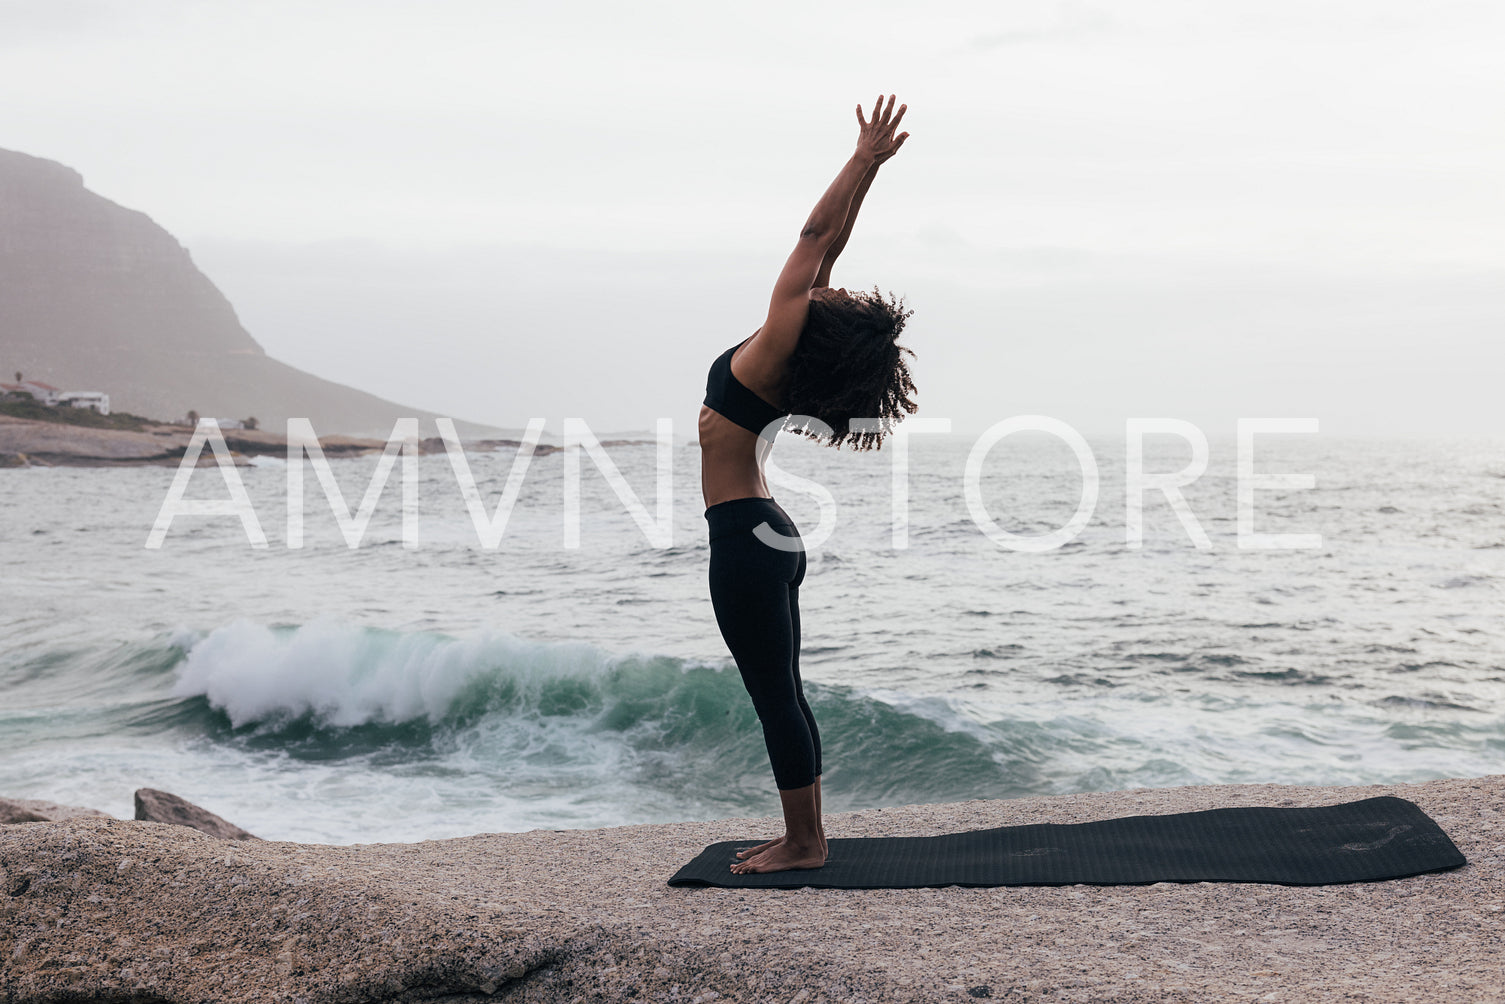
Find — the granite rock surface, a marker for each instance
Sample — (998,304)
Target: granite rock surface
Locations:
(124,910)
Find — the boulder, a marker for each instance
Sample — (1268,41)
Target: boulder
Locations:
(155,806)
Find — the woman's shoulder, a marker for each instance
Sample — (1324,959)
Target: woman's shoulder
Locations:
(752,367)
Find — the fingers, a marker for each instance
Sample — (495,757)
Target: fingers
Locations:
(883,119)
(883,114)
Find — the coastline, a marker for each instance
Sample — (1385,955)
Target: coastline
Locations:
(152,912)
(28,442)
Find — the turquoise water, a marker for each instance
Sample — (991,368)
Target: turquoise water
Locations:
(399,693)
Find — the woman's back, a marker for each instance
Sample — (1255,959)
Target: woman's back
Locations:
(737,426)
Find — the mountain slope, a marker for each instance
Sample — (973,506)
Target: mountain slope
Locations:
(94,296)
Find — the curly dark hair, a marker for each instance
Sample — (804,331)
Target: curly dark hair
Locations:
(849,364)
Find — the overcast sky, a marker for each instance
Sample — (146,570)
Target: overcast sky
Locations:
(498,210)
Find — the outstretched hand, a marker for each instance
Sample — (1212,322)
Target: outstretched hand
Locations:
(876,137)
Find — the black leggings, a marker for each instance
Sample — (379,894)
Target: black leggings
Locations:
(755,590)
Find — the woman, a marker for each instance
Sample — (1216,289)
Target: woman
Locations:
(828,357)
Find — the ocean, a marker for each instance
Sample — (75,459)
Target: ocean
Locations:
(426,687)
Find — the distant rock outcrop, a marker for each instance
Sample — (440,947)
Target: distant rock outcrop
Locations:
(153,806)
(35,810)
(94,296)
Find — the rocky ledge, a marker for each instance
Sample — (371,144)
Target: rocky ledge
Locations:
(115,910)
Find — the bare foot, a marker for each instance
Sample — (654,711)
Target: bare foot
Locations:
(749,852)
(743,855)
(784,855)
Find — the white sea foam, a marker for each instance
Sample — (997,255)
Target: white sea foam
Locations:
(347,675)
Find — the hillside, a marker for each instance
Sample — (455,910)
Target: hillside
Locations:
(94,296)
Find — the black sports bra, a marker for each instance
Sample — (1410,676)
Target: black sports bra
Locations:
(728,397)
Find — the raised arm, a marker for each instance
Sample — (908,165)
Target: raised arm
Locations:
(824,235)
(823,276)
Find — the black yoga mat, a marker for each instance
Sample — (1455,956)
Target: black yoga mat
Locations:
(1364,841)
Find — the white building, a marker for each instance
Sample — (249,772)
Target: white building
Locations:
(91,399)
(44,393)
